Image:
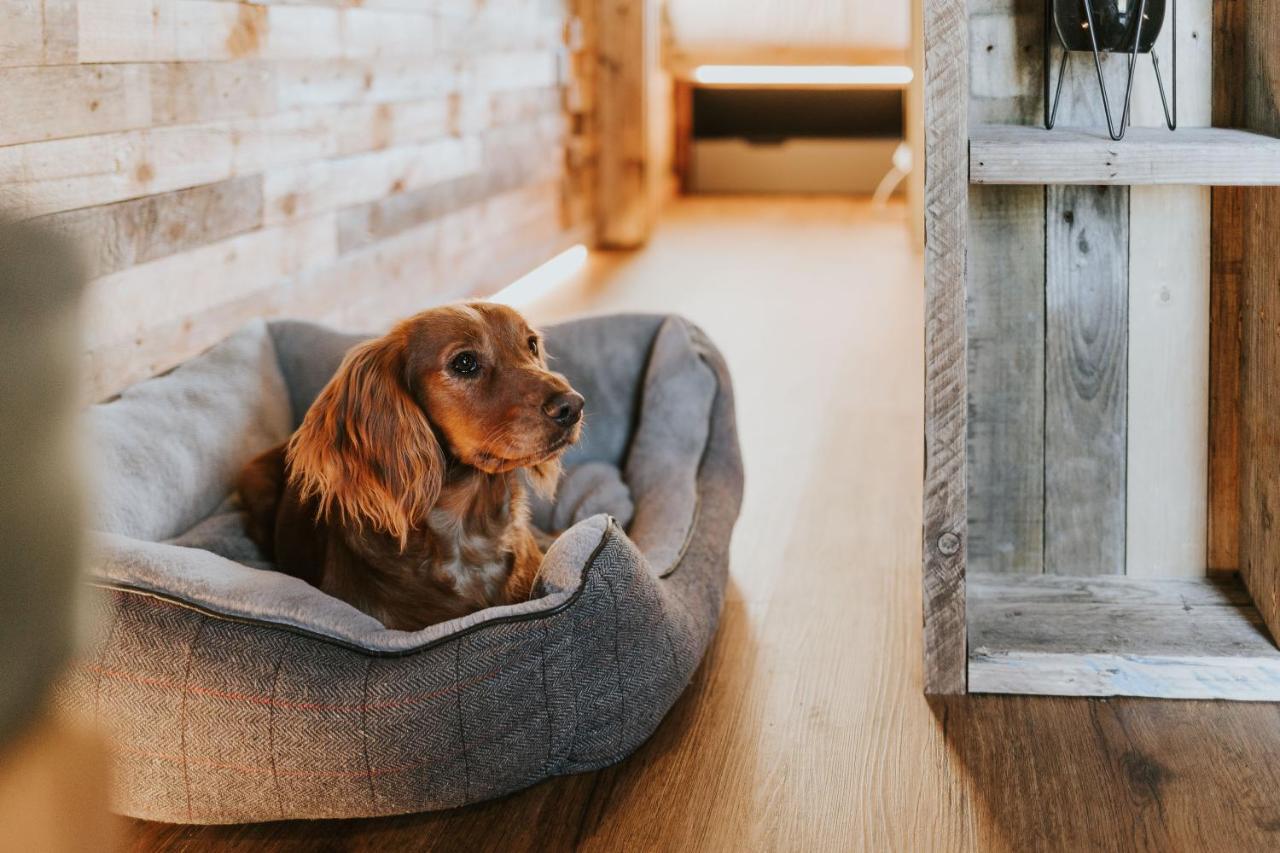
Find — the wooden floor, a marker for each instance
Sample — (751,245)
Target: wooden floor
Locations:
(805,729)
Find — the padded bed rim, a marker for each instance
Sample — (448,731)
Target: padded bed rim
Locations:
(611,530)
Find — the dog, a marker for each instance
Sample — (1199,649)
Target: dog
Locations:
(405,490)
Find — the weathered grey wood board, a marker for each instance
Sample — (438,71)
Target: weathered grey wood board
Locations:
(1006,380)
(1168,406)
(1005,309)
(1207,156)
(946,212)
(1086,378)
(1077,636)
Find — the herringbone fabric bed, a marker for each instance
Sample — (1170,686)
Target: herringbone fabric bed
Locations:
(239,697)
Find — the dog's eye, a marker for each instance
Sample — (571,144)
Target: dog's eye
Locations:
(465,363)
(533,345)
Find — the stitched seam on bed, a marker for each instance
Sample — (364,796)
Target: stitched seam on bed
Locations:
(617,655)
(364,731)
(462,729)
(182,724)
(271,733)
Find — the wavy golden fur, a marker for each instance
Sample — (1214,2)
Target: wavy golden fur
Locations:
(403,491)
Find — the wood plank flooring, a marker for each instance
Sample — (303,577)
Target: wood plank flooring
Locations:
(806,729)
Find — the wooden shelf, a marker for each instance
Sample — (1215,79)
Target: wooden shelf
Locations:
(1116,636)
(1207,156)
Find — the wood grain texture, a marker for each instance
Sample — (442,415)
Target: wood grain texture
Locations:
(624,213)
(1182,639)
(785,740)
(946,86)
(113,237)
(1169,272)
(1086,353)
(1005,154)
(1086,379)
(72,100)
(1005,281)
(212,158)
(1006,379)
(1168,402)
(1260,334)
(1227,225)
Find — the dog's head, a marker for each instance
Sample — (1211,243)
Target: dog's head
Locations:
(467,383)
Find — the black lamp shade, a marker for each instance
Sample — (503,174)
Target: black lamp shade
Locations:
(1115,24)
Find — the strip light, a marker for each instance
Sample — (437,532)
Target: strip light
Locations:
(540,281)
(803,75)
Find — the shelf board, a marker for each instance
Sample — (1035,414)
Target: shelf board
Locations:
(1116,636)
(1207,156)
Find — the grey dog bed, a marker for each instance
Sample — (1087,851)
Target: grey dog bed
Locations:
(240,694)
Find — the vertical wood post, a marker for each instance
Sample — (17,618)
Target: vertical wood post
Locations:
(1227,226)
(946,104)
(1260,332)
(623,208)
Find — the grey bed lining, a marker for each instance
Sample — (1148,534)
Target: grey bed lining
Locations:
(211,583)
(548,606)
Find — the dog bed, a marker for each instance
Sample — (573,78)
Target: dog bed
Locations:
(239,694)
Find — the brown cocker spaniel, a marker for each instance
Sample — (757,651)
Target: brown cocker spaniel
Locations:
(403,493)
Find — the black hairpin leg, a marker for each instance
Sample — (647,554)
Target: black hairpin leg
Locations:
(1170,116)
(1051,104)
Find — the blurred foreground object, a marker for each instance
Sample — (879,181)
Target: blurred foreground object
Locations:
(53,774)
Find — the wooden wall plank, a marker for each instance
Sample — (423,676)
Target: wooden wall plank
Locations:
(51,103)
(1168,465)
(1086,379)
(118,236)
(124,304)
(624,213)
(1006,379)
(213,158)
(1006,276)
(38,32)
(126,31)
(1167,515)
(946,88)
(302,191)
(22,36)
(1225,294)
(305,83)
(1260,334)
(1086,349)
(192,92)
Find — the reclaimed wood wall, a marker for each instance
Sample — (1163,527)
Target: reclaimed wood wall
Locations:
(348,162)
(1255,345)
(1088,329)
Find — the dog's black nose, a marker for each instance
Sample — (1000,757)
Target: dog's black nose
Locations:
(564,408)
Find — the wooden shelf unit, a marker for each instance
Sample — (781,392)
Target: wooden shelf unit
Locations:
(998,247)
(1118,636)
(1203,156)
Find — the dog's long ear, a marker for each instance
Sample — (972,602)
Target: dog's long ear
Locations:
(365,448)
